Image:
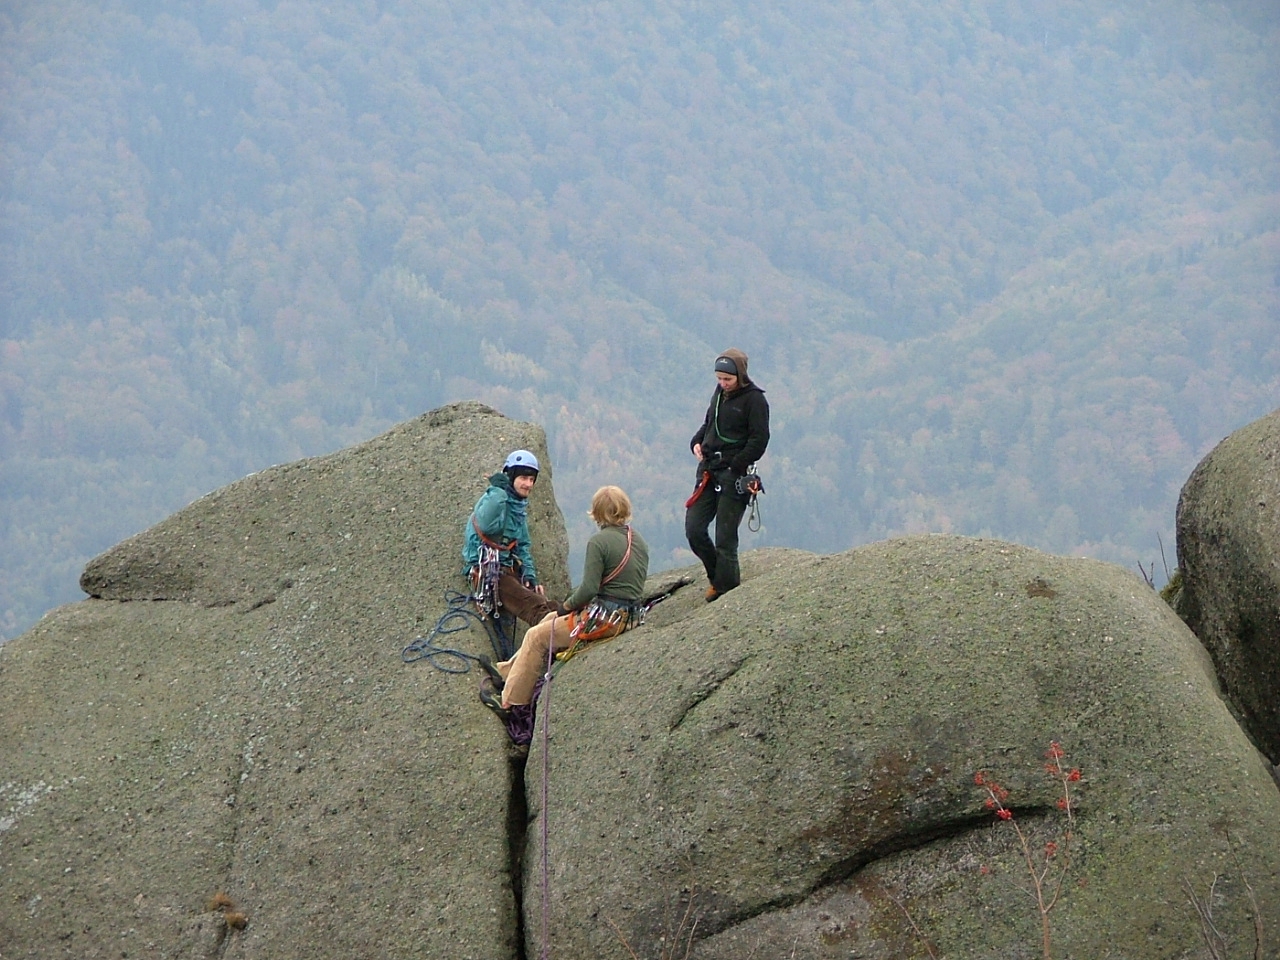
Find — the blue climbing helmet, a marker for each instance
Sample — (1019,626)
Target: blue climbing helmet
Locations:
(520,462)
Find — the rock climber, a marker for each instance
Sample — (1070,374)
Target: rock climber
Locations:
(733,436)
(496,552)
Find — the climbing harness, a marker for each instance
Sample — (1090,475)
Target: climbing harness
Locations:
(748,485)
(604,617)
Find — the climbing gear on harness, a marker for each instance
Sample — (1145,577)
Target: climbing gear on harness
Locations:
(604,617)
(697,491)
(601,619)
(521,458)
(486,573)
(484,582)
(751,485)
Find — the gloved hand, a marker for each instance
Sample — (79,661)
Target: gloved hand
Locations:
(500,479)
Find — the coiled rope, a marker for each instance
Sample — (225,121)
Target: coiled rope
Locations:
(458,615)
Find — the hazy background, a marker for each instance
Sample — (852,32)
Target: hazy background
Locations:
(1004,268)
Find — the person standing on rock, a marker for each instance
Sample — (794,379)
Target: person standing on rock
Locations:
(496,552)
(604,604)
(733,436)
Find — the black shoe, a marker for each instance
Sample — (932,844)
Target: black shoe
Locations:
(492,699)
(489,667)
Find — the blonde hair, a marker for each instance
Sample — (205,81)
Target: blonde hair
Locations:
(610,507)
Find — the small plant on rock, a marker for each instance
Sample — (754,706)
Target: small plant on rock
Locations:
(1046,867)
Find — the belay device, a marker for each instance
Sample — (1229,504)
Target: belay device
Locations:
(750,485)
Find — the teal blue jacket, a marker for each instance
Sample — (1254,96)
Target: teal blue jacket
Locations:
(502,517)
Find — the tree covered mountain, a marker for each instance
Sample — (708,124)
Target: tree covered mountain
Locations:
(1004,268)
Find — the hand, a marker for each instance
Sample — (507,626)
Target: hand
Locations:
(500,479)
(697,450)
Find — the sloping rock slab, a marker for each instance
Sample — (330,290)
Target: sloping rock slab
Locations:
(789,772)
(1229,557)
(237,718)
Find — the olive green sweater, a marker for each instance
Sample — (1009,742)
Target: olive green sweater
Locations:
(604,552)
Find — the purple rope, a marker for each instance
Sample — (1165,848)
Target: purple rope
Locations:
(546,770)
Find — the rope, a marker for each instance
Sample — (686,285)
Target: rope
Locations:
(457,617)
(546,773)
(753,514)
(542,692)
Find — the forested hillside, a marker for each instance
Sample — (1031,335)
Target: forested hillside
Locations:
(1003,267)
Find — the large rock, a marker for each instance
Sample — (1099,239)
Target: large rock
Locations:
(789,772)
(234,715)
(1229,558)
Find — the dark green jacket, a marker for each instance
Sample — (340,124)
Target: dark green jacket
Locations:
(604,552)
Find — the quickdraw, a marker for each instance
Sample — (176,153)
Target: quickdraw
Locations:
(600,620)
(485,575)
(484,581)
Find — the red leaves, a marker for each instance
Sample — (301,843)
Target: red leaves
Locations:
(1047,870)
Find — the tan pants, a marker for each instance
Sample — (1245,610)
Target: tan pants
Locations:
(530,662)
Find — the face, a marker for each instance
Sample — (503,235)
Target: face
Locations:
(523,485)
(728,382)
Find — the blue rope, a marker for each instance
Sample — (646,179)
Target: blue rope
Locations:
(457,617)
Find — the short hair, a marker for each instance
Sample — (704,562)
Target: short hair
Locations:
(610,507)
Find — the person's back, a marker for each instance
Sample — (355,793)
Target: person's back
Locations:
(605,603)
(616,550)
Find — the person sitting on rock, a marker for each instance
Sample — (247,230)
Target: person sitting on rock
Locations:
(496,552)
(605,603)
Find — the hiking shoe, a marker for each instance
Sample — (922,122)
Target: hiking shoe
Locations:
(489,667)
(492,699)
(712,594)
